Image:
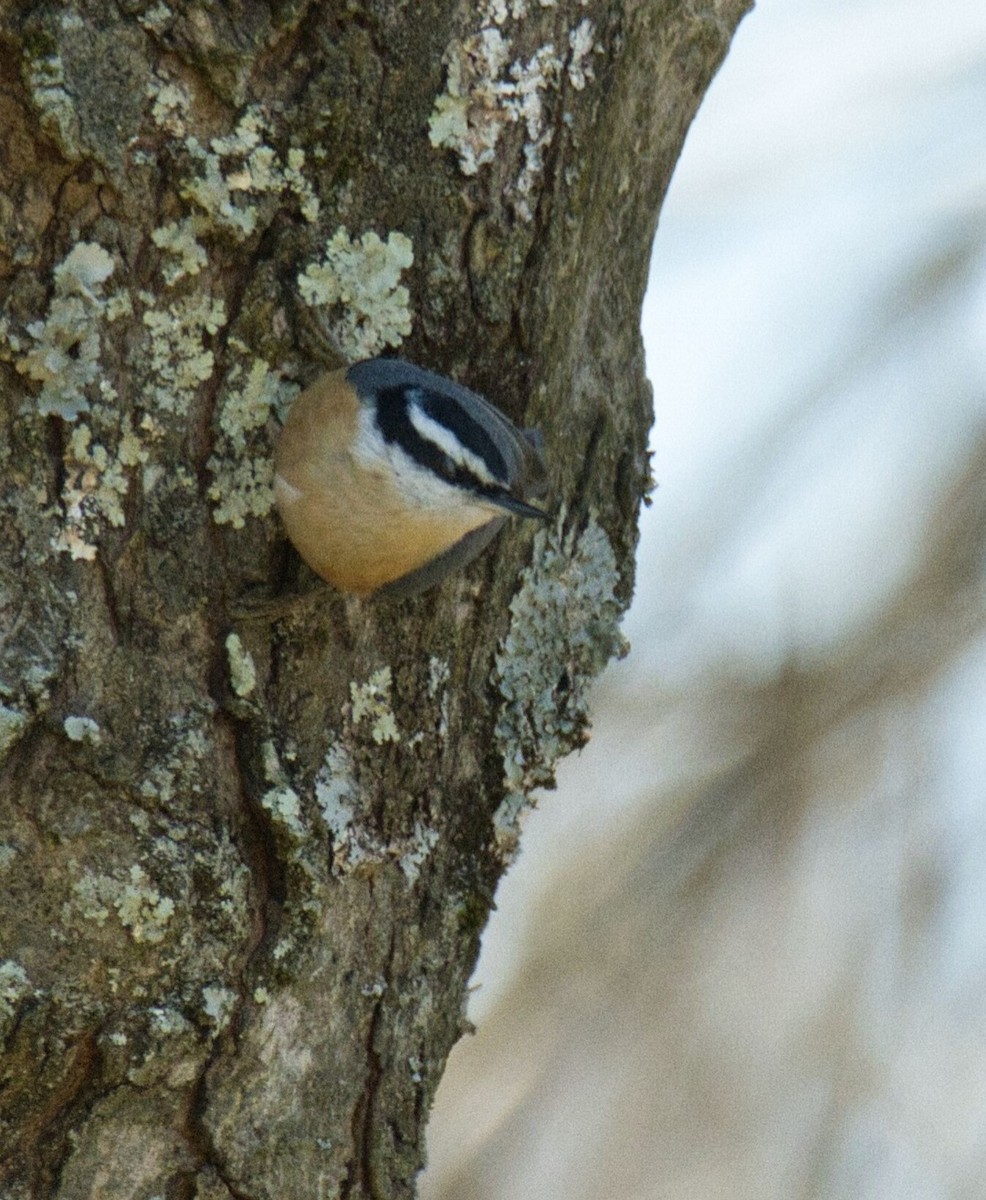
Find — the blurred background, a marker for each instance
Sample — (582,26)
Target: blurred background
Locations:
(743,951)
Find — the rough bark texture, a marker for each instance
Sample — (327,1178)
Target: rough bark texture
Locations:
(246,853)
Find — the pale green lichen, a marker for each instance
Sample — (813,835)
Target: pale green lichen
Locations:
(241,490)
(360,280)
(281,801)
(83,271)
(180,240)
(32,697)
(181,770)
(233,184)
(14,987)
(499,10)
(82,729)
(564,628)
(64,357)
(94,895)
(96,483)
(57,112)
(416,849)
(158,17)
(251,395)
(438,677)
(62,351)
(242,671)
(335,789)
(239,169)
(468,117)
(213,192)
(180,361)
(242,469)
(118,304)
(142,909)
(488,89)
(218,1003)
(528,84)
(169,1021)
(284,805)
(296,180)
(171,105)
(581,42)
(336,795)
(139,905)
(10,344)
(371,700)
(13,723)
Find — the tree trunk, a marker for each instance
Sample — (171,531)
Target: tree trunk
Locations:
(247,850)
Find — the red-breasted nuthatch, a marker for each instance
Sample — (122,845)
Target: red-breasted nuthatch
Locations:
(390,476)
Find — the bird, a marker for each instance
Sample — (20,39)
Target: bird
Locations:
(389,476)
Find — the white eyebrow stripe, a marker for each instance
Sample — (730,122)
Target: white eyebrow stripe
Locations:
(436,433)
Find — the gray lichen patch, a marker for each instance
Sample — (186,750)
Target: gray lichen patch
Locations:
(13,724)
(371,701)
(15,986)
(160,891)
(490,87)
(564,628)
(218,1004)
(180,360)
(64,349)
(131,896)
(58,115)
(179,240)
(232,184)
(242,468)
(82,729)
(337,794)
(87,80)
(65,352)
(281,800)
(242,670)
(358,283)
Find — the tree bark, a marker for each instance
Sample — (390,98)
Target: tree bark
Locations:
(247,850)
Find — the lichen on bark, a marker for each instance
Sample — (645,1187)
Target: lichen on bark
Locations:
(245,862)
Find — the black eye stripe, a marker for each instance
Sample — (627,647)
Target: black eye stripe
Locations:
(394,422)
(469,432)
